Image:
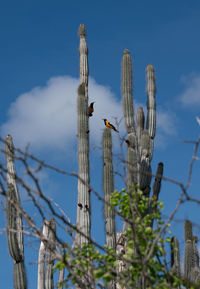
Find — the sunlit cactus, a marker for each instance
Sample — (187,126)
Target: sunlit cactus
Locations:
(14,219)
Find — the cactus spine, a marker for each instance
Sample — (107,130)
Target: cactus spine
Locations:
(14,220)
(108,185)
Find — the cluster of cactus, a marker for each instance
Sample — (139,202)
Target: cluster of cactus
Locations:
(191,273)
(140,144)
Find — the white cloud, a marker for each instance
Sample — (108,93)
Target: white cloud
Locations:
(166,126)
(191,95)
(46,117)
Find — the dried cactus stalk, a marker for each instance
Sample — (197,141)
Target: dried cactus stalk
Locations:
(50,254)
(175,256)
(108,185)
(41,259)
(83,51)
(83,211)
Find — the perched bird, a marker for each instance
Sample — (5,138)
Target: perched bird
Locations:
(108,124)
(91,108)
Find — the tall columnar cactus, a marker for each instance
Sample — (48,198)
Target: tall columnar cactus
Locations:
(108,185)
(41,259)
(127,91)
(83,208)
(189,254)
(50,254)
(140,141)
(14,220)
(175,256)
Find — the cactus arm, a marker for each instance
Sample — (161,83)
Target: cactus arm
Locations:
(151,102)
(128,108)
(127,91)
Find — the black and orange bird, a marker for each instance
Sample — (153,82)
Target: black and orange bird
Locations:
(91,108)
(108,124)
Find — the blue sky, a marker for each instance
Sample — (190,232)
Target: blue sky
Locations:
(39,71)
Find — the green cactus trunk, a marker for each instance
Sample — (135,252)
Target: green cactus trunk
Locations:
(14,220)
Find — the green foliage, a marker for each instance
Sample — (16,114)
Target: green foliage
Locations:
(144,258)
